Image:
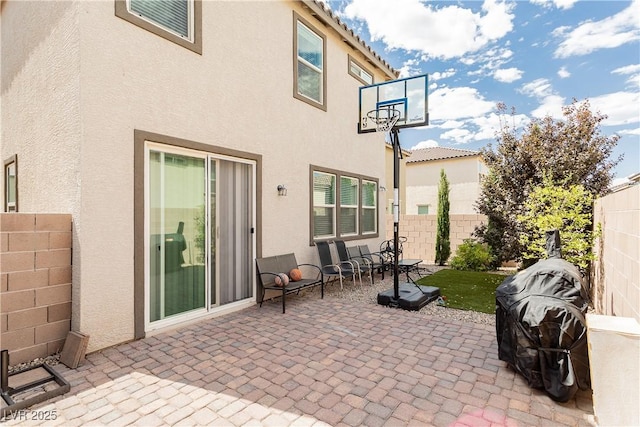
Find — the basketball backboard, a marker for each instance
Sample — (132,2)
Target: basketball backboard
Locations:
(408,96)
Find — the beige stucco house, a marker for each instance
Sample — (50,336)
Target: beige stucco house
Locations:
(166,134)
(464,169)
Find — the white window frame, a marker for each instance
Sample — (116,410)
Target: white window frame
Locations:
(338,175)
(190,21)
(192,41)
(321,103)
(347,206)
(359,72)
(374,207)
(334,206)
(11,163)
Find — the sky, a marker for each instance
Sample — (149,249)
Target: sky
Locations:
(534,56)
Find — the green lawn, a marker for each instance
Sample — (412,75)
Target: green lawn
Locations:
(466,290)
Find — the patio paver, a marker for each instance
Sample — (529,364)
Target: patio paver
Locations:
(324,362)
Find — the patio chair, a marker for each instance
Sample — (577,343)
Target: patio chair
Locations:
(363,263)
(375,259)
(387,252)
(343,255)
(331,270)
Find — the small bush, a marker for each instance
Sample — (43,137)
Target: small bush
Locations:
(472,255)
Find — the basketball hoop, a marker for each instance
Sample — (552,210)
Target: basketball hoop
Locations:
(384,118)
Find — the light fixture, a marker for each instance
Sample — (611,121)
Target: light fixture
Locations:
(383,188)
(282,190)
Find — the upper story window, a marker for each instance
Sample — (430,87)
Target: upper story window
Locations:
(359,72)
(309,64)
(175,20)
(11,184)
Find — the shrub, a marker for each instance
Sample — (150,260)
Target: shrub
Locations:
(567,209)
(472,255)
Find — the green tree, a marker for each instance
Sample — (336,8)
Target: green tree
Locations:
(572,151)
(443,244)
(564,208)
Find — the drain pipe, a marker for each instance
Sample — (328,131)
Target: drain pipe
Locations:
(5,371)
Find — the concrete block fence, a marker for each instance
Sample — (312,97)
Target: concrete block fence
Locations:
(420,231)
(35,284)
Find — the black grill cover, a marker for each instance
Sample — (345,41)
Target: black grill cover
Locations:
(540,326)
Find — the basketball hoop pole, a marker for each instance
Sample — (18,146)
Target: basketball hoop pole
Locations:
(395,141)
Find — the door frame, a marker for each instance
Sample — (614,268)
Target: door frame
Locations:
(141,138)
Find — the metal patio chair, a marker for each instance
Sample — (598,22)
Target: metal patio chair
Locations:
(332,270)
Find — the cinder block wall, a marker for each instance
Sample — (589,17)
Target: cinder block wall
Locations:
(616,271)
(35,286)
(420,231)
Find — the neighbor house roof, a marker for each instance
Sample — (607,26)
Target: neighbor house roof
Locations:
(328,17)
(439,153)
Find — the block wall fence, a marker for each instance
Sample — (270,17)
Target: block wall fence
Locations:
(35,284)
(616,271)
(420,231)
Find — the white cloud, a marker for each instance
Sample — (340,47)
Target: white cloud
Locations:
(507,75)
(451,124)
(635,131)
(560,4)
(415,26)
(461,136)
(550,106)
(563,73)
(633,71)
(614,31)
(629,69)
(429,143)
(538,88)
(550,102)
(622,108)
(442,75)
(457,103)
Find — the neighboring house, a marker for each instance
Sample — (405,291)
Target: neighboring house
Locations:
(464,169)
(166,135)
(387,194)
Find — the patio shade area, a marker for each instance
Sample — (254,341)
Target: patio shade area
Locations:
(324,362)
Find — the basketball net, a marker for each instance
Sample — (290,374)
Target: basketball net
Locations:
(384,118)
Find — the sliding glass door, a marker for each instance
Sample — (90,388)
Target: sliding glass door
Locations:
(200,222)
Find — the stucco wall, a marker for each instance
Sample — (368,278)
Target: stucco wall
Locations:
(616,272)
(463,174)
(81,80)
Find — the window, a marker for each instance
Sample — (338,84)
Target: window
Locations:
(343,205)
(11,184)
(175,20)
(423,209)
(359,72)
(348,206)
(369,207)
(309,64)
(324,205)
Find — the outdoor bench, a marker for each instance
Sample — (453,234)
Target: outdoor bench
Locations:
(271,267)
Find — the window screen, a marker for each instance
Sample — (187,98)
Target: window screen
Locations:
(170,14)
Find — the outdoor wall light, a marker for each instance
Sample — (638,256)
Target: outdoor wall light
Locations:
(383,188)
(282,190)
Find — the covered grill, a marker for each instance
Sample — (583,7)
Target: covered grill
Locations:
(540,325)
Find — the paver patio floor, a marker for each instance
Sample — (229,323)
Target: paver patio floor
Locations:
(324,362)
